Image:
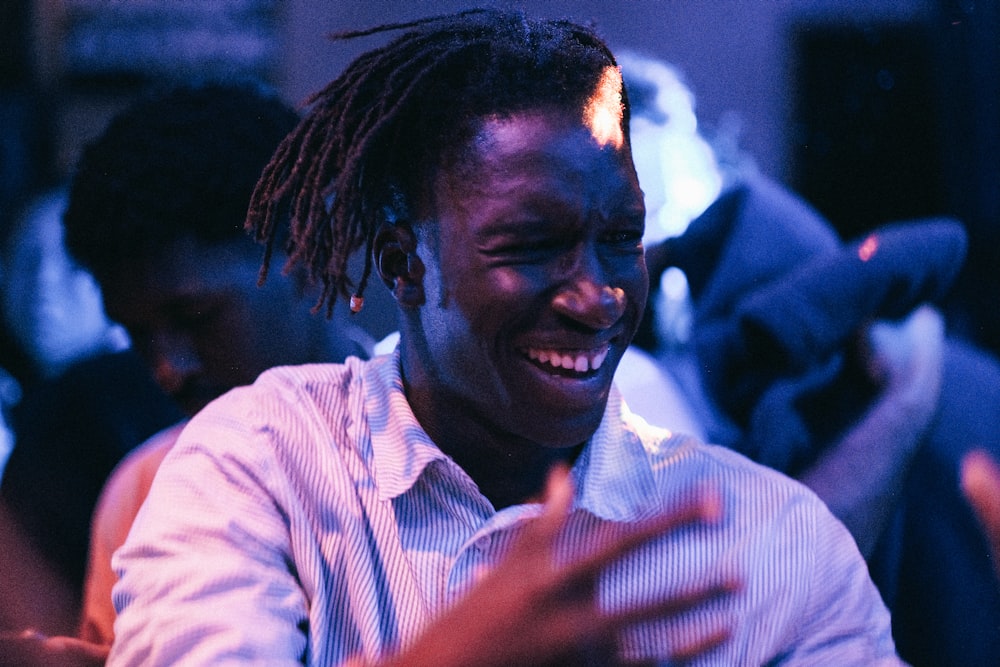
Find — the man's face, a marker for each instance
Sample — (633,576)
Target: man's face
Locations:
(198,318)
(535,278)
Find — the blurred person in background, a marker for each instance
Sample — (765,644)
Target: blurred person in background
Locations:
(51,305)
(59,339)
(165,239)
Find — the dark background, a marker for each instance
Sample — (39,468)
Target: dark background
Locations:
(873,110)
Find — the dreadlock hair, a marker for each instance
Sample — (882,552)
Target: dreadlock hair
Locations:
(371,140)
(181,161)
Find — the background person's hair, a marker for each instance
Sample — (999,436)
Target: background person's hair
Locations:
(180,162)
(374,137)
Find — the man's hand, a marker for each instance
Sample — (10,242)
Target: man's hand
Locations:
(906,358)
(531,610)
(860,476)
(981,486)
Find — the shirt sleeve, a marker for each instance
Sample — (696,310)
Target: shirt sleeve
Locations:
(845,621)
(206,576)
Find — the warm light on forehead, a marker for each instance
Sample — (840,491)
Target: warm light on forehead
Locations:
(603,112)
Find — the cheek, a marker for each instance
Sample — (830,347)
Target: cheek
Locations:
(240,333)
(514,285)
(502,294)
(638,291)
(640,282)
(484,309)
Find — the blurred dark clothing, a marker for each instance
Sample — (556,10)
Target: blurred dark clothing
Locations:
(779,302)
(933,565)
(71,432)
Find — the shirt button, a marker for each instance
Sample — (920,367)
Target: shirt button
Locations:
(483,543)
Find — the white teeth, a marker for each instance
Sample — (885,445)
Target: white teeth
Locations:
(581,362)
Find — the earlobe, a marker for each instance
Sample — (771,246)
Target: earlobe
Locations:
(397,262)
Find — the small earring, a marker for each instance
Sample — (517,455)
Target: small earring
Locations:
(357,303)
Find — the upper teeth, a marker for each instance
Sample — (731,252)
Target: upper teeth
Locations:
(578,361)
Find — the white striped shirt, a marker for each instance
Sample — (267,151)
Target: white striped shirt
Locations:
(309,519)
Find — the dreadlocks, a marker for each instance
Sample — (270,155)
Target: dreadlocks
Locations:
(372,138)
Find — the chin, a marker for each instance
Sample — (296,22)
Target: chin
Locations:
(566,431)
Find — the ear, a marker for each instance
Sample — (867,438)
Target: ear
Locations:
(397,262)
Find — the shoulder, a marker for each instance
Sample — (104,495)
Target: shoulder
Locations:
(129,482)
(291,419)
(282,395)
(682,460)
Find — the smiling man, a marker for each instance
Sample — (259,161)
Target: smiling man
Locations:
(482,496)
(512,334)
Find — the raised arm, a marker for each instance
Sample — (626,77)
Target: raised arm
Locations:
(861,475)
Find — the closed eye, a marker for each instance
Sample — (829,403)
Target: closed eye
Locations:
(531,250)
(624,238)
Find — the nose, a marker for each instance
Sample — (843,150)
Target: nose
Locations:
(175,362)
(596,306)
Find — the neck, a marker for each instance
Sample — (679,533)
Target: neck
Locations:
(333,340)
(507,468)
(510,473)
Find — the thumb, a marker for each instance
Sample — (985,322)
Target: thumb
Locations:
(558,500)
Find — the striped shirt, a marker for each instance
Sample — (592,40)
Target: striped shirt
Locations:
(309,519)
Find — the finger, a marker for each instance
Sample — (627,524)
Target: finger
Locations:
(77,649)
(981,486)
(31,649)
(680,604)
(706,507)
(558,496)
(700,646)
(540,534)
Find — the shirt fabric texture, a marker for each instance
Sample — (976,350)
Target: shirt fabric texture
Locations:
(309,519)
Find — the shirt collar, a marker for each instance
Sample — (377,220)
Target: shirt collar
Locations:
(400,447)
(613,475)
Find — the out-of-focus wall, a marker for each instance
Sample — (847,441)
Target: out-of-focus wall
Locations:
(735,53)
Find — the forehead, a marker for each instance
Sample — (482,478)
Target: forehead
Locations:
(542,151)
(535,173)
(185,268)
(601,115)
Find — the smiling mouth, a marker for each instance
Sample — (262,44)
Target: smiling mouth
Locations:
(569,362)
